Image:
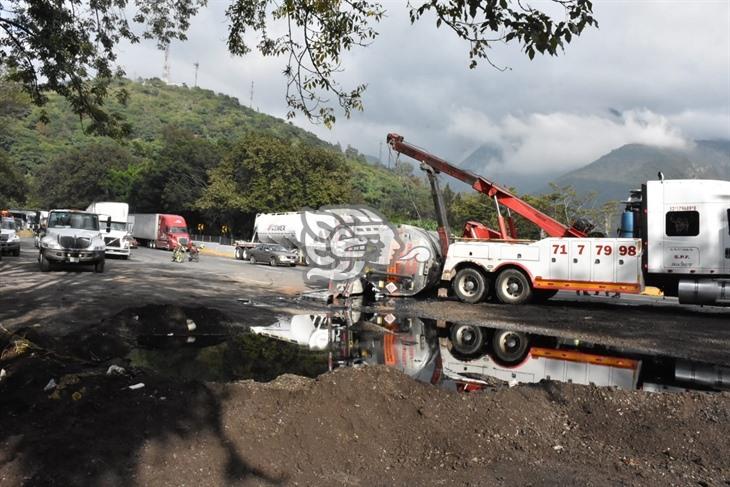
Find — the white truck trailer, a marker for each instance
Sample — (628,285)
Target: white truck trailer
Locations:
(117,239)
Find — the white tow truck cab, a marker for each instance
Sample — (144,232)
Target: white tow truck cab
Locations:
(679,242)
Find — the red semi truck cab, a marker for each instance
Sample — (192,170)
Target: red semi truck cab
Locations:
(159,230)
(172,230)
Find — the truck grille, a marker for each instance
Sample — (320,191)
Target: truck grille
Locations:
(4,237)
(74,242)
(111,242)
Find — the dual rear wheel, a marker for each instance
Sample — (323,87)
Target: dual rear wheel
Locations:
(511,286)
(507,347)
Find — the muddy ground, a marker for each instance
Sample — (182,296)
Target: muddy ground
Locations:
(229,408)
(194,423)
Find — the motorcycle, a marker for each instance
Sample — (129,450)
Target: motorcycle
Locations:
(194,252)
(178,254)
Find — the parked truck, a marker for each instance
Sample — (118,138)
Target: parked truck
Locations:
(284,228)
(675,235)
(72,237)
(9,239)
(157,230)
(117,240)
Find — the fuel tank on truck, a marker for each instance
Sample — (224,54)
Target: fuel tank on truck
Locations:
(412,265)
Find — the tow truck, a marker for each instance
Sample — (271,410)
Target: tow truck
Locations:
(675,235)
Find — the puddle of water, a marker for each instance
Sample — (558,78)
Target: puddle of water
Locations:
(193,344)
(467,357)
(224,358)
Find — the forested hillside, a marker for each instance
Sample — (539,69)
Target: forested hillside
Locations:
(189,151)
(203,155)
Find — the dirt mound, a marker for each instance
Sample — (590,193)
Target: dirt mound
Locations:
(371,425)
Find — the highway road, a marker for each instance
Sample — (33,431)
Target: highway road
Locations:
(65,300)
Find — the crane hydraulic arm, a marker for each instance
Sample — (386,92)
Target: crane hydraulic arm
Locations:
(500,195)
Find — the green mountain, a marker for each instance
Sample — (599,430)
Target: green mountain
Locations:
(613,175)
(150,107)
(178,138)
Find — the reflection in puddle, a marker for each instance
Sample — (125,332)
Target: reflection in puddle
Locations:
(224,358)
(469,357)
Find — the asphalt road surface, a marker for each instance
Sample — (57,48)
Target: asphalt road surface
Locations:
(62,301)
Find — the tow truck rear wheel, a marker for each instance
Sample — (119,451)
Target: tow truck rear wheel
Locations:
(509,347)
(513,287)
(470,285)
(467,340)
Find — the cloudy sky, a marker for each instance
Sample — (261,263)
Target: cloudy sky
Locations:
(655,72)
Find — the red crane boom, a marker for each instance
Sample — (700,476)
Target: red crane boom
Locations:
(500,195)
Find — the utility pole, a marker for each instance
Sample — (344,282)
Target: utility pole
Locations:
(166,66)
(197,65)
(250,103)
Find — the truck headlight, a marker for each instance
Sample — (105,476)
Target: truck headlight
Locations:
(15,237)
(50,243)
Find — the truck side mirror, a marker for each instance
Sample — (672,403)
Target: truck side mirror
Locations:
(108,224)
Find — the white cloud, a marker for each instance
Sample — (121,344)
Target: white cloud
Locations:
(558,142)
(665,65)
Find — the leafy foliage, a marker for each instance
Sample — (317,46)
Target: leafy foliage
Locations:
(266,174)
(485,22)
(69,47)
(83,175)
(12,185)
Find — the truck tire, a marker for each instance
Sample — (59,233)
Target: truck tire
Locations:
(513,287)
(470,285)
(467,340)
(16,252)
(99,266)
(44,263)
(509,347)
(238,254)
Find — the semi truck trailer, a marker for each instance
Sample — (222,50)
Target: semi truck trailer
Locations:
(158,230)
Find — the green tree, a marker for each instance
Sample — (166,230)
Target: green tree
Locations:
(69,46)
(266,174)
(83,175)
(174,176)
(13,187)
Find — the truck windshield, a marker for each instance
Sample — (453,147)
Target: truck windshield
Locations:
(7,225)
(119,226)
(67,219)
(178,230)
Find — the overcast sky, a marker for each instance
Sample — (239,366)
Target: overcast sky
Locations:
(655,72)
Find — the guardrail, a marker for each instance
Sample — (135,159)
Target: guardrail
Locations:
(219,239)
